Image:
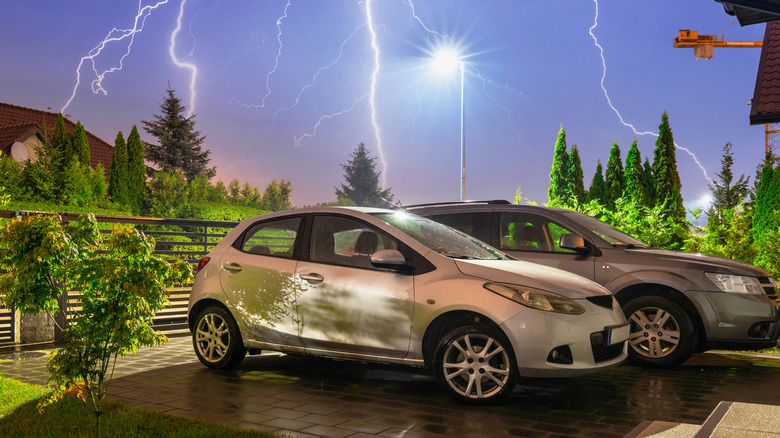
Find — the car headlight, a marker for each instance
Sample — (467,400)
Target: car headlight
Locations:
(736,283)
(536,298)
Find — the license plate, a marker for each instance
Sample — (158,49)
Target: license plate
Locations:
(617,333)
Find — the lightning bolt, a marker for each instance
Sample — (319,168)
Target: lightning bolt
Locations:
(329,116)
(181,64)
(372,93)
(609,101)
(113,36)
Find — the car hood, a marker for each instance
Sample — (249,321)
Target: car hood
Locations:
(533,275)
(702,261)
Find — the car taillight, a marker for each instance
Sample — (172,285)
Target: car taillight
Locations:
(203,261)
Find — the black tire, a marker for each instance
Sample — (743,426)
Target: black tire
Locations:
(475,354)
(662,334)
(217,340)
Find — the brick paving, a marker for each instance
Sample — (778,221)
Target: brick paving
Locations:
(325,398)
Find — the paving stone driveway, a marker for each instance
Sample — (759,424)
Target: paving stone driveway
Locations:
(319,397)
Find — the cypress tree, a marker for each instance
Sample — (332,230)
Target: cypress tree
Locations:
(633,186)
(80,145)
(666,179)
(613,180)
(576,178)
(559,177)
(597,186)
(136,171)
(118,189)
(647,182)
(59,152)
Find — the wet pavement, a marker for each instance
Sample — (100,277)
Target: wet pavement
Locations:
(319,397)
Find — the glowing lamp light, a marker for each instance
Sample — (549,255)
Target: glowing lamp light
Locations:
(445,61)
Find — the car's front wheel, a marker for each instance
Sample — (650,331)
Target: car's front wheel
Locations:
(475,364)
(662,334)
(217,340)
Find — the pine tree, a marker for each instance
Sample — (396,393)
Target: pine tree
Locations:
(362,179)
(118,177)
(559,177)
(180,144)
(613,180)
(136,171)
(633,186)
(80,145)
(576,178)
(597,186)
(647,181)
(725,195)
(666,179)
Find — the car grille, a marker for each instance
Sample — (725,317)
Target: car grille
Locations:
(601,352)
(602,300)
(770,289)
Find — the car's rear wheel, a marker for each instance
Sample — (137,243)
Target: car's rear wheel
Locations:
(662,334)
(217,340)
(475,364)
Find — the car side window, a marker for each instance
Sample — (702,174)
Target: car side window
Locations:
(274,238)
(531,232)
(347,242)
(473,224)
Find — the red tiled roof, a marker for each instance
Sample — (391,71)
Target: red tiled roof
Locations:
(22,121)
(765,107)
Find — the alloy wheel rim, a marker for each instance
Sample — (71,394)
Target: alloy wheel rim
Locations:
(655,333)
(476,366)
(212,337)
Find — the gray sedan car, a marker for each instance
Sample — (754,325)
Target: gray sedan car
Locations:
(677,303)
(387,286)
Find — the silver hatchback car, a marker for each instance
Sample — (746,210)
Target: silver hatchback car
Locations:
(387,286)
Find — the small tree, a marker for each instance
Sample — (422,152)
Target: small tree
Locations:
(80,145)
(666,179)
(765,219)
(557,193)
(136,171)
(362,179)
(597,186)
(725,195)
(613,180)
(576,190)
(633,187)
(118,178)
(169,195)
(277,196)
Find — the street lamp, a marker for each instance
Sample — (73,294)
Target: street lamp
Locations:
(445,61)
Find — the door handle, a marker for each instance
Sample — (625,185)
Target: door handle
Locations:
(232,267)
(312,278)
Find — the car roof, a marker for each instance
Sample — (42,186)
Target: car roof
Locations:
(478,206)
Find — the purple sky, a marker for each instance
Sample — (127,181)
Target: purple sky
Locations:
(288,89)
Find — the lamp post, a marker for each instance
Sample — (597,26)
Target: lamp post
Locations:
(445,60)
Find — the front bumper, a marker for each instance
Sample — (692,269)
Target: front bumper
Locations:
(737,321)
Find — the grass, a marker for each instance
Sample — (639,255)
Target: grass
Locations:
(72,417)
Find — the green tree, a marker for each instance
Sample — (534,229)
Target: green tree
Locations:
(767,214)
(58,150)
(597,186)
(179,146)
(218,193)
(76,186)
(647,181)
(118,177)
(136,171)
(37,182)
(633,187)
(276,197)
(725,195)
(80,145)
(666,179)
(613,180)
(168,195)
(576,178)
(362,179)
(557,192)
(11,177)
(234,191)
(98,181)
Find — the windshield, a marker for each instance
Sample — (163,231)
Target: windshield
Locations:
(441,238)
(606,232)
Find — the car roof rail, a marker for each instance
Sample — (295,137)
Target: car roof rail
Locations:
(433,204)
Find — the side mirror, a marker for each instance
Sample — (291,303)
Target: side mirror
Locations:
(389,259)
(574,242)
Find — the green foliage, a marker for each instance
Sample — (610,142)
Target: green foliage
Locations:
(122,286)
(559,175)
(136,171)
(362,179)
(647,180)
(80,145)
(730,236)
(57,151)
(767,217)
(169,195)
(76,184)
(97,179)
(37,179)
(11,177)
(179,146)
(597,186)
(218,193)
(633,188)
(118,178)
(576,186)
(234,191)
(613,180)
(666,179)
(277,196)
(725,195)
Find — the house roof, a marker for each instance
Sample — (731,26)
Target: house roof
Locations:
(765,106)
(752,11)
(18,123)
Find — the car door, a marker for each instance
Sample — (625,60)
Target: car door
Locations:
(346,304)
(536,238)
(257,274)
